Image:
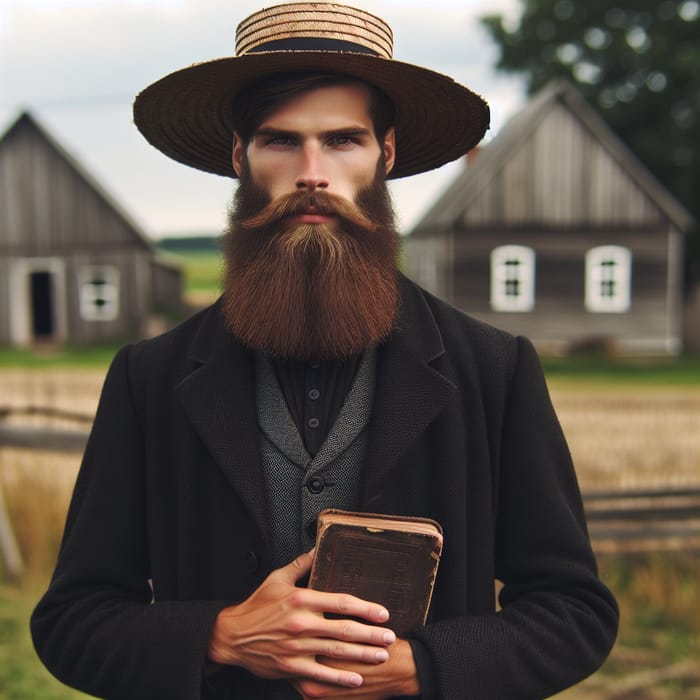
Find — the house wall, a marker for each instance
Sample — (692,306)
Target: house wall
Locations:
(55,221)
(560,176)
(560,320)
(554,186)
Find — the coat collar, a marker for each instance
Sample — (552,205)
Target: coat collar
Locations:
(410,391)
(219,397)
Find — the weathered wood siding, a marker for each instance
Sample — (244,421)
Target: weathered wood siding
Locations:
(560,319)
(48,206)
(559,182)
(559,177)
(53,215)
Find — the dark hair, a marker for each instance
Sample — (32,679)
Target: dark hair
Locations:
(255,102)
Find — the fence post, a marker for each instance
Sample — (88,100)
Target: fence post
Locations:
(9,550)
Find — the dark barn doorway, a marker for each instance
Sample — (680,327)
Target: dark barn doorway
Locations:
(42,304)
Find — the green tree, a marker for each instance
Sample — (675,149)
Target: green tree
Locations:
(636,61)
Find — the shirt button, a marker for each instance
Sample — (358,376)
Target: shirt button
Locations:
(314,394)
(313,422)
(315,484)
(314,365)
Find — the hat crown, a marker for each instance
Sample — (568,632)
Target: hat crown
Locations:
(309,26)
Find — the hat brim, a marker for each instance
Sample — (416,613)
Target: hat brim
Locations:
(188,114)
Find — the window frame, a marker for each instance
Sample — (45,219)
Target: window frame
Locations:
(611,266)
(87,293)
(501,276)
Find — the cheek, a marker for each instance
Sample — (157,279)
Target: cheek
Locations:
(276,177)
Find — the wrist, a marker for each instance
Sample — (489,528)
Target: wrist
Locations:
(408,683)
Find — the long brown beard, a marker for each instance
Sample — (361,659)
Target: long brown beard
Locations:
(311,291)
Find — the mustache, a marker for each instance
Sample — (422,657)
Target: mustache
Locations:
(303,202)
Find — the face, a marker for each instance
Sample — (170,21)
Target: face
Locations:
(323,139)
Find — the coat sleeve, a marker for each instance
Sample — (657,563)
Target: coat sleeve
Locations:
(557,621)
(96,628)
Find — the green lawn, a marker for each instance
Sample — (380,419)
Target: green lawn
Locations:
(679,371)
(22,676)
(97,357)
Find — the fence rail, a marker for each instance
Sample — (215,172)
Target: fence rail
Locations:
(635,520)
(644,519)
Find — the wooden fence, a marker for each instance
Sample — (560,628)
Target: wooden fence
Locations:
(618,521)
(644,520)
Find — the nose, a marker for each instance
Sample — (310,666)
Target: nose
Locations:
(312,174)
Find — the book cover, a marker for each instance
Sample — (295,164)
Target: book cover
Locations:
(392,560)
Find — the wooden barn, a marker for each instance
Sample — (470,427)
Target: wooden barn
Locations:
(556,231)
(73,266)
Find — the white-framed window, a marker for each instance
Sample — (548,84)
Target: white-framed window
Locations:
(512,278)
(99,292)
(608,279)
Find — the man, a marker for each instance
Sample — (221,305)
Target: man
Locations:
(321,378)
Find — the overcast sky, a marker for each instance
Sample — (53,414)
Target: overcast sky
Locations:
(77,64)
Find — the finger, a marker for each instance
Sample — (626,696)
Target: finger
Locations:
(337,650)
(357,633)
(345,605)
(314,671)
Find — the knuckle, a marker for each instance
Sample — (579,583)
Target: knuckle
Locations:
(297,598)
(335,651)
(296,624)
(344,603)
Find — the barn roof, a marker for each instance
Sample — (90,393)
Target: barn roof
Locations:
(482,170)
(28,122)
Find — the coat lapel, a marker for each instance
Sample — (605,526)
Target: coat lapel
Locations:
(410,392)
(219,397)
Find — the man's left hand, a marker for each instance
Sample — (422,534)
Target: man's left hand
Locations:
(395,677)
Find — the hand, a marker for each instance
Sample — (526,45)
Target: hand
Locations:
(396,677)
(280,630)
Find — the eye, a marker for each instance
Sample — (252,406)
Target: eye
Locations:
(342,140)
(280,141)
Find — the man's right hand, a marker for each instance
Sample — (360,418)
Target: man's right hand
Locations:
(280,630)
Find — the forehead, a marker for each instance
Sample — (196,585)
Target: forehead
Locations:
(333,106)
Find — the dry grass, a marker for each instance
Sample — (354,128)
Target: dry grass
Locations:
(620,437)
(630,437)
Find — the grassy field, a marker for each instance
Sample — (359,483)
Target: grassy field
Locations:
(203,270)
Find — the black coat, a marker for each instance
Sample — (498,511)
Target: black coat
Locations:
(170,490)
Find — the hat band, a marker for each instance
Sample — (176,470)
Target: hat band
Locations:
(312,44)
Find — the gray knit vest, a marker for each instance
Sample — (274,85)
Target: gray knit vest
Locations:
(298,486)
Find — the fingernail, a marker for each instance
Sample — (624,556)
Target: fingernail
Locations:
(355,680)
(383,615)
(382,656)
(389,638)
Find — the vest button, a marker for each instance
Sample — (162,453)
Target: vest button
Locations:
(315,484)
(311,529)
(313,422)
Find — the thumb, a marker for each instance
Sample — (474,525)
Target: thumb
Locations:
(297,568)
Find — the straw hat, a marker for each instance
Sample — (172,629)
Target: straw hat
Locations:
(188,114)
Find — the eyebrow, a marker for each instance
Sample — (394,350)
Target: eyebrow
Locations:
(349,131)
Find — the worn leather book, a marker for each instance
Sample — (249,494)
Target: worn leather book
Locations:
(387,559)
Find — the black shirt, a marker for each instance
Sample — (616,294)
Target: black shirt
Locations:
(315,393)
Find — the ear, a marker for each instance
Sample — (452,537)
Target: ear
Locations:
(390,149)
(237,156)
